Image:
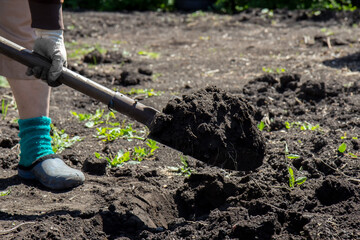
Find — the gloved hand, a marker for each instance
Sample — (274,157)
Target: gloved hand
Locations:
(50,44)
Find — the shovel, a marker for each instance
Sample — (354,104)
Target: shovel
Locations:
(117,101)
(232,143)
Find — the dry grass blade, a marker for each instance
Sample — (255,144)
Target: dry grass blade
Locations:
(14,228)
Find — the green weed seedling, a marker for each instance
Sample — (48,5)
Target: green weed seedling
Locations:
(109,134)
(198,14)
(4,108)
(5,193)
(302,125)
(265,124)
(138,154)
(92,120)
(292,181)
(61,140)
(119,158)
(153,55)
(327,32)
(3,82)
(344,136)
(145,92)
(270,70)
(70,27)
(342,148)
(78,50)
(184,169)
(261,125)
(352,155)
(152,145)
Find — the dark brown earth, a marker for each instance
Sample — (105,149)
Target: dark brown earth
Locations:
(298,71)
(213,126)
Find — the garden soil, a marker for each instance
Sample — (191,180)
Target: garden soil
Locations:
(295,73)
(212,126)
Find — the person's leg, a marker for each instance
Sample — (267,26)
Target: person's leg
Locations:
(32,97)
(37,159)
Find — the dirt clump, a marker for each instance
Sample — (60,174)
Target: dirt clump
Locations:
(128,78)
(311,90)
(95,166)
(202,193)
(333,191)
(96,57)
(212,126)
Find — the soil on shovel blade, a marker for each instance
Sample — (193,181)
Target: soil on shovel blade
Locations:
(212,126)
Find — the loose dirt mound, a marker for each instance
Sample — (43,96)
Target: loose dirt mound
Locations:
(213,126)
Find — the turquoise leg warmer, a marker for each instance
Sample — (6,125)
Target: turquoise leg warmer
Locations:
(35,140)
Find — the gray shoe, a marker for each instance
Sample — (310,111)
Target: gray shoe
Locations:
(52,172)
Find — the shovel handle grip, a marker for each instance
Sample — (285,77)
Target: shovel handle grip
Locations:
(119,102)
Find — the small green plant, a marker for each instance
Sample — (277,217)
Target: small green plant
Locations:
(344,136)
(198,14)
(61,140)
(92,120)
(342,148)
(4,108)
(270,70)
(3,82)
(118,42)
(152,144)
(265,123)
(184,169)
(145,92)
(153,55)
(5,193)
(352,155)
(109,134)
(327,32)
(302,125)
(266,13)
(138,154)
(70,27)
(261,125)
(292,181)
(292,156)
(119,158)
(78,50)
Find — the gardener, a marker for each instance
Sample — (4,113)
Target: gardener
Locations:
(37,25)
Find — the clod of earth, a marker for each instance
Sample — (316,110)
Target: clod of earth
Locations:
(212,126)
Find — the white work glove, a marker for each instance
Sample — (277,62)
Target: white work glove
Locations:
(50,44)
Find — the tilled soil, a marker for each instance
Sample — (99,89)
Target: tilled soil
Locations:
(213,126)
(298,72)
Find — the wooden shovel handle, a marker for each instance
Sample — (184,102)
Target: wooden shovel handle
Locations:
(115,100)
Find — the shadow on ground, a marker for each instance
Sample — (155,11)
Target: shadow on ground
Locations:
(351,62)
